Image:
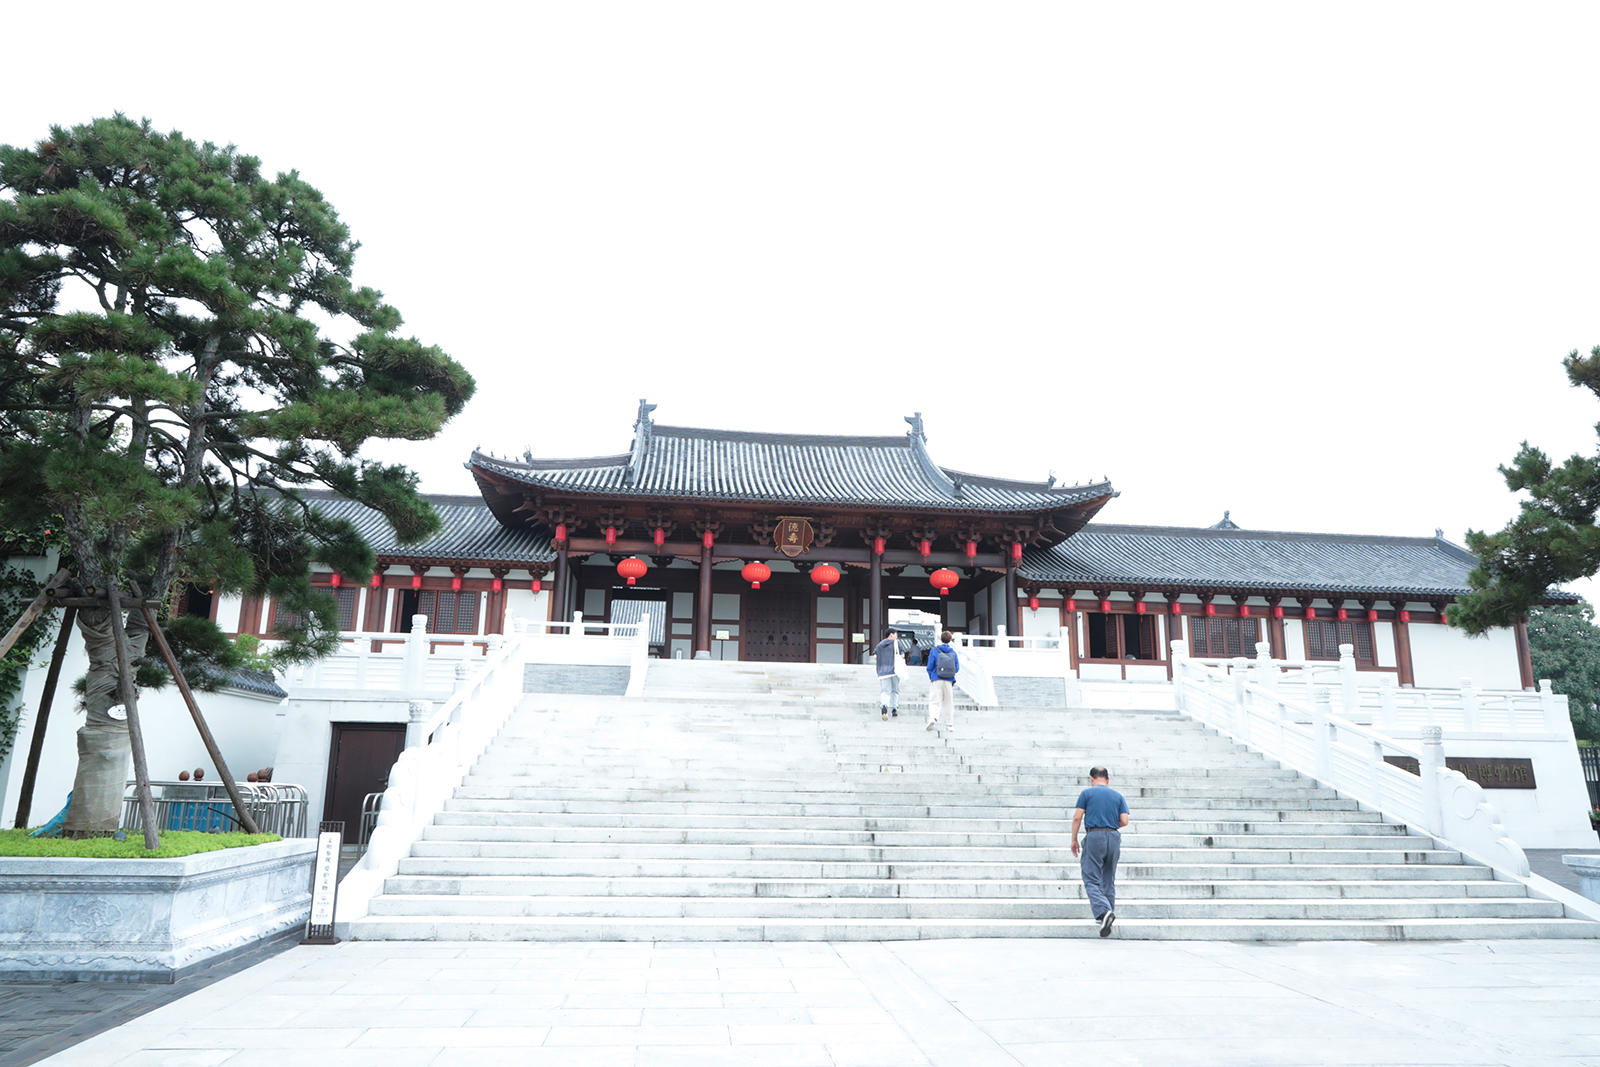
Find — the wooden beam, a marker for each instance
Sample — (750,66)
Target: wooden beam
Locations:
(41,722)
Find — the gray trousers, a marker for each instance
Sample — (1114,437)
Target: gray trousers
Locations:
(1099,855)
(888,690)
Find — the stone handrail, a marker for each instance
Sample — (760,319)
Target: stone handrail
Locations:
(441,747)
(1301,729)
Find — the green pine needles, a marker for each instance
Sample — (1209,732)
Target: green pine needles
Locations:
(1552,540)
(182,351)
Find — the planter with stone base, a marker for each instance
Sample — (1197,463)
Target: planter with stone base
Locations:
(147,920)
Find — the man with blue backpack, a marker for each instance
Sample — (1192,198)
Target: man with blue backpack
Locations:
(943,666)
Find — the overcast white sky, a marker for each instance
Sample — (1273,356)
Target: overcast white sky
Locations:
(1314,264)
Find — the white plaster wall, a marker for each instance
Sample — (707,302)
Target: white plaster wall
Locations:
(1443,655)
(228,606)
(1147,672)
(526,604)
(1294,639)
(1383,643)
(246,729)
(307,736)
(1104,672)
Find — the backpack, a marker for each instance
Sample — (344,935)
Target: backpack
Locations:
(945,665)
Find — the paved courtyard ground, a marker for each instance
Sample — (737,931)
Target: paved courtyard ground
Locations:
(966,1003)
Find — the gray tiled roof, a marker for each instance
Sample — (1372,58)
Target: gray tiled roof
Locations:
(1190,558)
(685,463)
(260,683)
(470,532)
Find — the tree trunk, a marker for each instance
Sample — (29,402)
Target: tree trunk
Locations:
(103,749)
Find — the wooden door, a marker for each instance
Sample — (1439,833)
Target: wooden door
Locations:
(358,764)
(777,627)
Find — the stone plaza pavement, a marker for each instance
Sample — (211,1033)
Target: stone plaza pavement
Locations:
(972,1003)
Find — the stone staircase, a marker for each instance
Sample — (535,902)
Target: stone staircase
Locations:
(745,802)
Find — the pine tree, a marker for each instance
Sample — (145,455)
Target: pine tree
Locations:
(182,352)
(1552,540)
(1564,644)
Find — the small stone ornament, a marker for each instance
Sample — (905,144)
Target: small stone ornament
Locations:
(119,836)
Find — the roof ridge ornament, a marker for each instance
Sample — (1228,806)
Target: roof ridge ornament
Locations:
(914,420)
(642,427)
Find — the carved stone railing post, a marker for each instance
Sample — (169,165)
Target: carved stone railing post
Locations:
(1321,706)
(1557,718)
(1389,710)
(1180,663)
(1241,696)
(1469,706)
(420,712)
(1432,762)
(1349,690)
(416,665)
(1266,672)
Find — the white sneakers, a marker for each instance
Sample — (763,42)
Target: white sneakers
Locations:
(930,724)
(1105,923)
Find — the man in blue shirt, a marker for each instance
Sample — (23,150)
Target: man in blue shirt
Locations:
(943,666)
(1103,813)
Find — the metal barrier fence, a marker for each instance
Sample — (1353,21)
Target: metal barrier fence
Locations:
(370,805)
(1590,755)
(278,807)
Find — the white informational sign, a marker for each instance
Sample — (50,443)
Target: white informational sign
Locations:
(326,879)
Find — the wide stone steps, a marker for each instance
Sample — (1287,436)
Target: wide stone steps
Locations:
(652,928)
(737,802)
(1061,906)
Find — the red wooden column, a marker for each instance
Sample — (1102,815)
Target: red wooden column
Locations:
(558,595)
(1524,653)
(1013,615)
(1402,642)
(1275,633)
(702,615)
(875,595)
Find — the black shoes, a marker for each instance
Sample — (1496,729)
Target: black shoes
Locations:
(1105,923)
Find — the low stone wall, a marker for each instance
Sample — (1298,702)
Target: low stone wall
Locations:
(147,920)
(1587,868)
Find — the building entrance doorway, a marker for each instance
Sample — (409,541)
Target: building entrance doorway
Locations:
(778,627)
(359,763)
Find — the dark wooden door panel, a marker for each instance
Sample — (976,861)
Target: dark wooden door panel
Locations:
(358,763)
(777,627)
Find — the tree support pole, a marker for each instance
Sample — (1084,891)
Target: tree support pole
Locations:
(30,613)
(41,721)
(245,818)
(141,769)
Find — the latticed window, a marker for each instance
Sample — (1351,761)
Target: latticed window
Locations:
(449,612)
(346,599)
(1324,636)
(1120,636)
(1214,638)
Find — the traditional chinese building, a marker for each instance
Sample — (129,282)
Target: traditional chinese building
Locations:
(788,547)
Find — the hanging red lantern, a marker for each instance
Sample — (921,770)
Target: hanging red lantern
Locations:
(538,585)
(1016,550)
(561,531)
(455,582)
(1211,609)
(416,581)
(925,548)
(755,574)
(334,580)
(825,574)
(1405,616)
(611,535)
(1311,613)
(1072,605)
(377,580)
(1139,607)
(708,539)
(497,585)
(1372,614)
(1033,603)
(1177,609)
(877,545)
(1343,614)
(1244,611)
(660,537)
(1277,611)
(633,568)
(944,579)
(1105,606)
